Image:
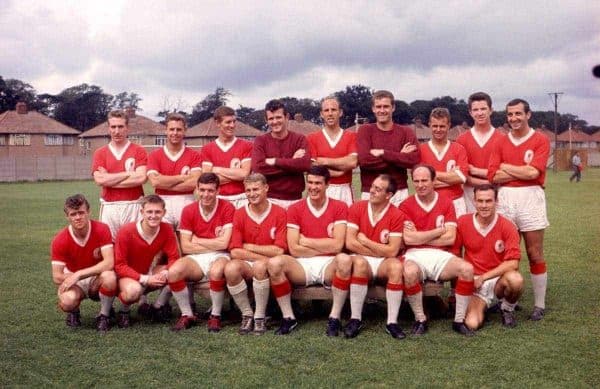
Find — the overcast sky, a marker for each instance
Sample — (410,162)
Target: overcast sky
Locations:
(176,52)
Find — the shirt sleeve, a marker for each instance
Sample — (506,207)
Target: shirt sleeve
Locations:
(122,268)
(237,235)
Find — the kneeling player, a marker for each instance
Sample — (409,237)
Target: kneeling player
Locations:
(258,234)
(491,244)
(139,246)
(205,231)
(82,263)
(316,227)
(429,233)
(374,235)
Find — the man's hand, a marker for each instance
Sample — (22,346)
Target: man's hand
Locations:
(299,153)
(68,282)
(410,226)
(408,148)
(270,161)
(157,280)
(376,152)
(477,282)
(362,238)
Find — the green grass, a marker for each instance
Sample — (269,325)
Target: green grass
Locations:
(38,350)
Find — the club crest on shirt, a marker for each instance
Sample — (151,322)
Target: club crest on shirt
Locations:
(330,230)
(499,246)
(439,221)
(97,254)
(272,233)
(235,163)
(130,164)
(450,165)
(384,236)
(185,171)
(528,156)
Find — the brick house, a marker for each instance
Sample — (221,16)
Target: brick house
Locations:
(574,138)
(32,134)
(207,131)
(142,130)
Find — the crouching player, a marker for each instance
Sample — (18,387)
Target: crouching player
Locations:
(205,231)
(374,235)
(429,234)
(491,244)
(259,233)
(139,246)
(82,263)
(316,227)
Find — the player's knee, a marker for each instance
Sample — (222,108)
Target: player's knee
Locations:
(410,273)
(395,271)
(176,271)
(360,266)
(275,265)
(108,280)
(68,301)
(473,322)
(259,269)
(343,264)
(232,269)
(535,252)
(131,293)
(514,280)
(465,270)
(217,270)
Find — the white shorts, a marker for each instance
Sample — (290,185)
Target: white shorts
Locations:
(397,198)
(314,268)
(459,206)
(486,291)
(205,261)
(431,261)
(374,263)
(342,192)
(174,204)
(524,206)
(469,199)
(118,213)
(84,284)
(238,200)
(285,204)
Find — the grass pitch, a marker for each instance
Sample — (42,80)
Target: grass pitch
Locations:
(38,350)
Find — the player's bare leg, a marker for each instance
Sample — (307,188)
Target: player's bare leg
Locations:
(414,294)
(463,271)
(283,272)
(391,269)
(341,270)
(534,244)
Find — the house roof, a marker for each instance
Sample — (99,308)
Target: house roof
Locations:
(209,128)
(455,131)
(573,136)
(138,125)
(32,122)
(595,137)
(421,131)
(303,127)
(549,134)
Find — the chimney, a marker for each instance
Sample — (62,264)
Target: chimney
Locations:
(21,108)
(130,112)
(299,118)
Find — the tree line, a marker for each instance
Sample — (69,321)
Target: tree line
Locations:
(85,106)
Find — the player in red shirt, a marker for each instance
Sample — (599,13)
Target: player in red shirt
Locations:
(518,164)
(282,156)
(490,242)
(335,149)
(478,143)
(228,157)
(205,232)
(120,169)
(429,233)
(259,233)
(374,236)
(139,248)
(174,169)
(385,147)
(449,159)
(316,228)
(82,263)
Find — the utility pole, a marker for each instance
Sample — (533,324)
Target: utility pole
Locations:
(554,96)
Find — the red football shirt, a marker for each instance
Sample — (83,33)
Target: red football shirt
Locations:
(231,155)
(428,217)
(479,148)
(390,223)
(453,158)
(162,162)
(321,145)
(266,229)
(75,254)
(314,223)
(129,159)
(210,226)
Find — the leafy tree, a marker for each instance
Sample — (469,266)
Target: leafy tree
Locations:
(13,91)
(403,113)
(309,109)
(204,109)
(355,101)
(125,100)
(252,117)
(82,107)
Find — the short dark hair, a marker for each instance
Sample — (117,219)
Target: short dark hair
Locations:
(209,178)
(382,94)
(75,202)
(392,185)
(480,96)
(221,112)
(514,102)
(428,167)
(321,171)
(274,105)
(484,187)
(152,199)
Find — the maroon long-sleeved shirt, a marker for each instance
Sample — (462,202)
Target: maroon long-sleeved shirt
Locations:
(392,162)
(286,177)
